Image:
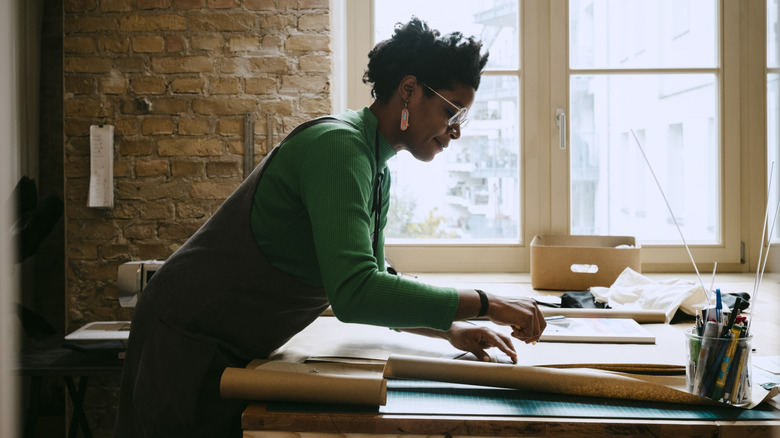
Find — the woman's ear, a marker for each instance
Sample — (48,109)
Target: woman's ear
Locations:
(406,87)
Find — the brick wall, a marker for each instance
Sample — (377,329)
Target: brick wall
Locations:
(175,78)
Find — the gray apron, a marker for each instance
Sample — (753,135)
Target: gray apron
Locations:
(215,303)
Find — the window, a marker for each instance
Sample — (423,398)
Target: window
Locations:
(772,101)
(552,146)
(647,66)
(471,193)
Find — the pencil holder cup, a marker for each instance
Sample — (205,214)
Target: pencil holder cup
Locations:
(719,368)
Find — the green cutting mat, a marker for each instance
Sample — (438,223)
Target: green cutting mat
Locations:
(422,397)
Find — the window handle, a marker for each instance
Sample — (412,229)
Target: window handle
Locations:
(560,120)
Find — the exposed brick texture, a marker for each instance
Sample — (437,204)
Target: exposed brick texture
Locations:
(174,77)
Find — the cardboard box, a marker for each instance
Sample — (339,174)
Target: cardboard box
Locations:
(579,262)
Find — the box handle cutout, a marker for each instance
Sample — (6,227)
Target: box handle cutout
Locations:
(584,269)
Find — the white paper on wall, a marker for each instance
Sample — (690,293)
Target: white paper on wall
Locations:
(101,166)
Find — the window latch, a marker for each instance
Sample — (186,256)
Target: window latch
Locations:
(560,120)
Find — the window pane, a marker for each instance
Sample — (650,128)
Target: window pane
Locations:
(470,193)
(471,190)
(494,22)
(772,37)
(772,101)
(675,117)
(643,34)
(773,143)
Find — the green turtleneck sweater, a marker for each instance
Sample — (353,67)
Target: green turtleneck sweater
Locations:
(312,219)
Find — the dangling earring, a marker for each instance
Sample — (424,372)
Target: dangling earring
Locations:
(405,117)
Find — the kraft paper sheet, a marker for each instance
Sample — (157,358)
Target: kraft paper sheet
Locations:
(580,382)
(314,383)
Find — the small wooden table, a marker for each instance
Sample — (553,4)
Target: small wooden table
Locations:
(50,357)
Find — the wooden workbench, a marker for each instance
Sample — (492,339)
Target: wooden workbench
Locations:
(329,337)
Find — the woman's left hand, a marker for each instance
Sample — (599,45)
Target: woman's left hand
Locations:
(476,339)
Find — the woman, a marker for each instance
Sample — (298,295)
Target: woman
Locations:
(307,235)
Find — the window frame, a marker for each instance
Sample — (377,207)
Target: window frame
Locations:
(673,257)
(546,199)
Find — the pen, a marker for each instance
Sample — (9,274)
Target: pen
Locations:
(713,363)
(735,375)
(546,318)
(742,320)
(699,323)
(738,305)
(718,307)
(738,385)
(710,330)
(720,383)
(732,317)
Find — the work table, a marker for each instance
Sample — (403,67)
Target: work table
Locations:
(329,337)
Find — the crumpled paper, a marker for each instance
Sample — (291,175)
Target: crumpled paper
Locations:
(632,290)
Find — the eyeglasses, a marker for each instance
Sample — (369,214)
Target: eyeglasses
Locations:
(458,117)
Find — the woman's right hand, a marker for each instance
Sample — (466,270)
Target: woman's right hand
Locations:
(520,313)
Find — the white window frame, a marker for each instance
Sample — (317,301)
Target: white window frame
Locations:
(546,200)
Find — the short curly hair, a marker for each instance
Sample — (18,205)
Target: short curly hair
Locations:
(441,62)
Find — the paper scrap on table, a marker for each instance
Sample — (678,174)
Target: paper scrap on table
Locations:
(101,166)
(770,364)
(632,290)
(313,383)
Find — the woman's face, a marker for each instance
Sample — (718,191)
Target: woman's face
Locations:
(429,132)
